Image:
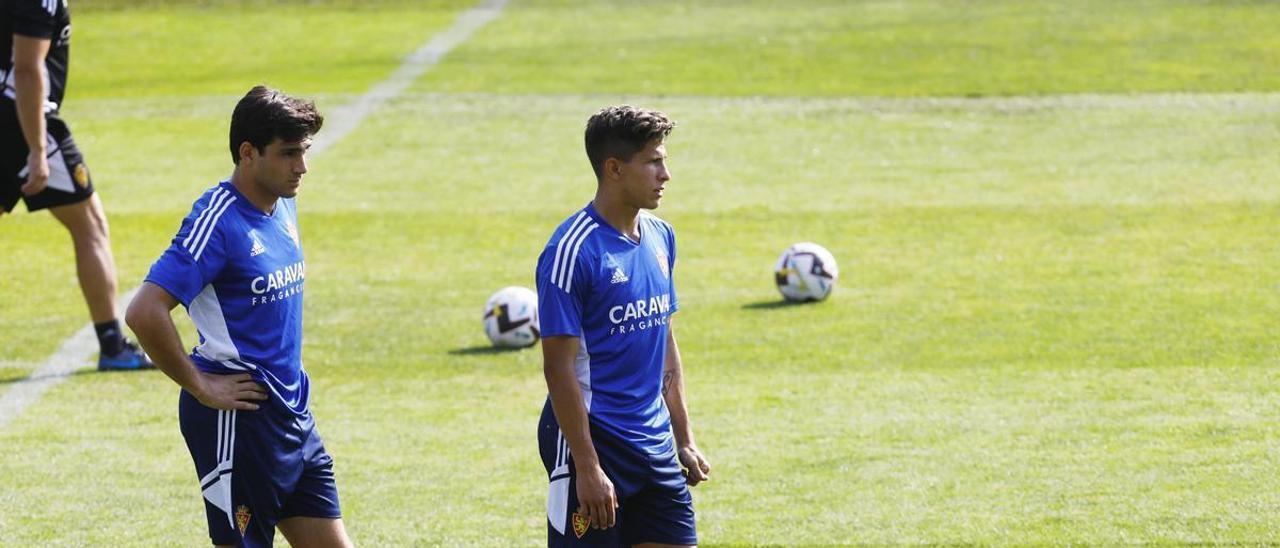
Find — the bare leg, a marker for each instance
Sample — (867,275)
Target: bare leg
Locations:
(303,532)
(95,266)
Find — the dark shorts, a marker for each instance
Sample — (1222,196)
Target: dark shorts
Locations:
(257,468)
(653,497)
(69,180)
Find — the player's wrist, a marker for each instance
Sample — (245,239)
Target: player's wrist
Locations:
(586,463)
(198,387)
(684,440)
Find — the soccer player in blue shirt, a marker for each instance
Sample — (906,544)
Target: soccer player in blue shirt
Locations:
(614,433)
(236,264)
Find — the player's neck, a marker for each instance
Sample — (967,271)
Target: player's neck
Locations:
(252,191)
(622,217)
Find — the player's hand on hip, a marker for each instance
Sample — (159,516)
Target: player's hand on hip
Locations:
(696,467)
(596,499)
(230,391)
(37,173)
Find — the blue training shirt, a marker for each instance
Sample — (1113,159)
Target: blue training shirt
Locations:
(239,272)
(617,296)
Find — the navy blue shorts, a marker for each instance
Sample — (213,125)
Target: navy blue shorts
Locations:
(257,468)
(653,496)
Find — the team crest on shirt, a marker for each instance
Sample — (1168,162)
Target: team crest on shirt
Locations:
(662,263)
(580,524)
(242,518)
(81,175)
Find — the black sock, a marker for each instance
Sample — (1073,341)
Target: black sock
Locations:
(110,339)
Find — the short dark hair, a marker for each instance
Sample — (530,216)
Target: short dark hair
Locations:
(621,131)
(265,114)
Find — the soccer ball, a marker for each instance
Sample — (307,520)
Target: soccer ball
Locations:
(806,272)
(511,317)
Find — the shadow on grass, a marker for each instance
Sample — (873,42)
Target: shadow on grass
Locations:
(774,304)
(484,350)
(35,377)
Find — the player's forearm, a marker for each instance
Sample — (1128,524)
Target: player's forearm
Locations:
(673,391)
(571,413)
(29,99)
(152,324)
(570,410)
(673,394)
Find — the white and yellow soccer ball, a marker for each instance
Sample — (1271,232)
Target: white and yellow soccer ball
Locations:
(806,272)
(511,317)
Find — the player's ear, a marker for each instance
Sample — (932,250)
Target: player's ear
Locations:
(247,151)
(612,168)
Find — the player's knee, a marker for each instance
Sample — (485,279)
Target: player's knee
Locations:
(86,223)
(97,217)
(91,236)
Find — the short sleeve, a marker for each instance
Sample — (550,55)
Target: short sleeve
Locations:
(30,18)
(190,263)
(561,296)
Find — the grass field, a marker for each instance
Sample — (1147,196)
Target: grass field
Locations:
(1056,224)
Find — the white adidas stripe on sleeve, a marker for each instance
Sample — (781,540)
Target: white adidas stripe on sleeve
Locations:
(555,266)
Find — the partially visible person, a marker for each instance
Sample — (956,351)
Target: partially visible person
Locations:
(41,165)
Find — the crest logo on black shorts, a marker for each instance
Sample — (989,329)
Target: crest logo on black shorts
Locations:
(82,175)
(242,518)
(580,524)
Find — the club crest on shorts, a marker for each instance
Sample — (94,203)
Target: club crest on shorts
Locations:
(242,518)
(580,524)
(81,175)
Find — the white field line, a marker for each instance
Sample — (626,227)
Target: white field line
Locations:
(76,352)
(343,121)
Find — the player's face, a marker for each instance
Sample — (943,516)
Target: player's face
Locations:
(280,168)
(644,177)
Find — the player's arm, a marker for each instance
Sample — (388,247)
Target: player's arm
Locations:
(148,316)
(691,458)
(30,95)
(595,492)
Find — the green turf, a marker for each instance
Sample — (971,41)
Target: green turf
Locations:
(1055,322)
(227,47)
(881,48)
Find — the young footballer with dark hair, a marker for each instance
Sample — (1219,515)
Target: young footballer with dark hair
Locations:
(236,264)
(615,436)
